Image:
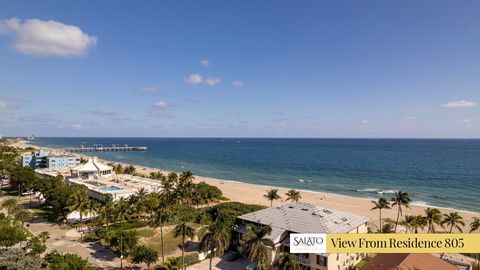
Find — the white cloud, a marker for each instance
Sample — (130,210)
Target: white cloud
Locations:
(365,122)
(212,81)
(409,118)
(151,90)
(466,120)
(458,104)
(193,79)
(205,63)
(237,83)
(160,105)
(8,106)
(47,38)
(76,126)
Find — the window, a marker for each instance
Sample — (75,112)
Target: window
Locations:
(321,260)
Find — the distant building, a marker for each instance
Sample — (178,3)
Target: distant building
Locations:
(405,261)
(304,218)
(41,160)
(93,169)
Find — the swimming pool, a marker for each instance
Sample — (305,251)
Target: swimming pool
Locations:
(111,188)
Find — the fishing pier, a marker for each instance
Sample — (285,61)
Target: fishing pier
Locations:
(101,148)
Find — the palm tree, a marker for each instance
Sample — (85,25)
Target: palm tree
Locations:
(453,219)
(400,199)
(185,187)
(118,168)
(257,246)
(419,222)
(214,239)
(130,169)
(287,262)
(105,211)
(184,231)
(162,215)
(293,195)
(433,216)
(271,195)
(475,224)
(172,263)
(23,216)
(408,222)
(78,201)
(11,205)
(122,214)
(382,203)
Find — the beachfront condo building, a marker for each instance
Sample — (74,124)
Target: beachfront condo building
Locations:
(304,218)
(41,160)
(102,182)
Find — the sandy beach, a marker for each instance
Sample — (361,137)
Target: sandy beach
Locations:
(253,194)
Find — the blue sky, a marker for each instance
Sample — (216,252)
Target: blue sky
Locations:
(240,68)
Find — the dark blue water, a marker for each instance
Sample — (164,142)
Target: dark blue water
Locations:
(436,172)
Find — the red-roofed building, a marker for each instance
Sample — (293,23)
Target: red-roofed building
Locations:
(407,261)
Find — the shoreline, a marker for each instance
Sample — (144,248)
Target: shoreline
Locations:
(236,190)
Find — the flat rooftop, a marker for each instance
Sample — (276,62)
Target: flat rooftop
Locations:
(305,218)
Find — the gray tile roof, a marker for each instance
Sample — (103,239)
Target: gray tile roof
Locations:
(305,218)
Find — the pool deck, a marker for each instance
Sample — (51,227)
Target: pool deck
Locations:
(117,186)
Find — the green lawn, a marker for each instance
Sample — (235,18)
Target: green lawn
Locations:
(170,243)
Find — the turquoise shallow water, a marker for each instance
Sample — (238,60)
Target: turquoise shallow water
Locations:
(435,172)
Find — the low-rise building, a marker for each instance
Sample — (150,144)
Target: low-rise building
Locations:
(101,181)
(405,261)
(304,218)
(41,160)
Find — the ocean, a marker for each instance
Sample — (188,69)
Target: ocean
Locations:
(437,172)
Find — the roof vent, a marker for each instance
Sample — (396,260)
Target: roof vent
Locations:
(305,209)
(344,219)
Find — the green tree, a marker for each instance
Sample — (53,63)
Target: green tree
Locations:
(22,178)
(121,214)
(172,263)
(184,231)
(214,239)
(453,220)
(118,168)
(419,222)
(162,216)
(11,235)
(475,224)
(408,222)
(67,261)
(433,216)
(79,202)
(287,262)
(382,203)
(145,255)
(293,195)
(258,247)
(105,212)
(272,195)
(18,259)
(23,216)
(37,244)
(400,199)
(130,169)
(11,205)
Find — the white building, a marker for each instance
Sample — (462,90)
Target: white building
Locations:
(93,169)
(305,218)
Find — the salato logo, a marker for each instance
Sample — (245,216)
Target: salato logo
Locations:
(308,243)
